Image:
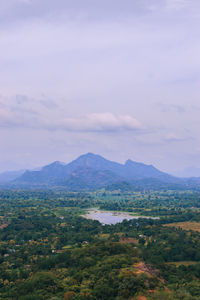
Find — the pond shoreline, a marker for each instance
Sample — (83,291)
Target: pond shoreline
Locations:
(112,217)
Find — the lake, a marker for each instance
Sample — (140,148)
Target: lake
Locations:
(111,217)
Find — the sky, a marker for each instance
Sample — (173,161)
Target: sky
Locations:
(116,78)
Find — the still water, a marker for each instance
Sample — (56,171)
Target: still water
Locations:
(111,217)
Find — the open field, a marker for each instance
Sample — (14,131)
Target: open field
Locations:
(182,263)
(195,226)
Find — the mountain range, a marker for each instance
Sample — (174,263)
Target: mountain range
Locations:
(10,175)
(91,171)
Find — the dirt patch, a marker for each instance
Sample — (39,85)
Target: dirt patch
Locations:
(3,226)
(146,268)
(128,241)
(139,298)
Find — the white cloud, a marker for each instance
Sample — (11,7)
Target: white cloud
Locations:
(100,122)
(170,108)
(18,112)
(173,137)
(176,5)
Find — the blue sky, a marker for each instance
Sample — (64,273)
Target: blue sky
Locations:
(117,78)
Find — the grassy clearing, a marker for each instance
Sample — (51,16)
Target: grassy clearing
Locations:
(182,263)
(195,226)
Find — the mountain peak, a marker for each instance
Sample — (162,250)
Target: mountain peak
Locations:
(53,166)
(89,160)
(57,162)
(90,155)
(132,162)
(92,170)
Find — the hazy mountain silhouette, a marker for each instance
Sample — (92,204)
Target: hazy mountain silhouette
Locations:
(10,175)
(93,171)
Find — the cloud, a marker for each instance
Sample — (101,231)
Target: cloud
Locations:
(176,5)
(172,137)
(19,113)
(13,118)
(99,122)
(168,107)
(48,104)
(21,99)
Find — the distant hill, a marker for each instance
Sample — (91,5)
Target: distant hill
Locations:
(189,172)
(91,171)
(10,175)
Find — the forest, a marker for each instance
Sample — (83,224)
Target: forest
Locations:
(49,250)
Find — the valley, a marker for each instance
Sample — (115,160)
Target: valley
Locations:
(49,250)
